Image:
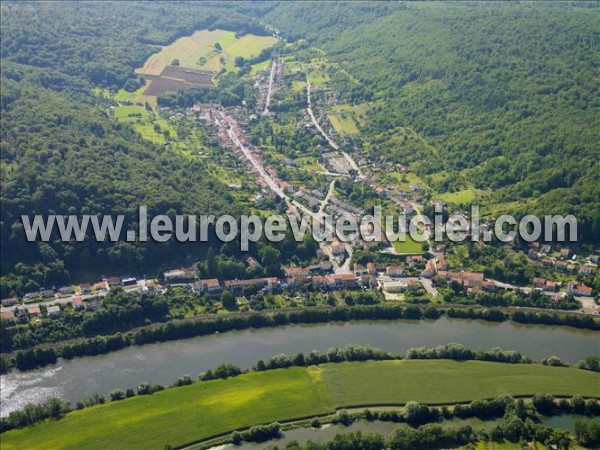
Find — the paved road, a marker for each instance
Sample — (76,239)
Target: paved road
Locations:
(270,88)
(228,123)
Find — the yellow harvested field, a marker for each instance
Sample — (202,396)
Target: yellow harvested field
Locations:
(248,45)
(198,51)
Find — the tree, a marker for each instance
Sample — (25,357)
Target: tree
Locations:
(236,438)
(117,394)
(269,256)
(590,363)
(560,438)
(218,47)
(512,428)
(228,299)
(587,433)
(211,263)
(175,62)
(343,417)
(415,413)
(552,361)
(239,61)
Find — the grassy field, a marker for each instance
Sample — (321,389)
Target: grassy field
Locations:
(201,410)
(309,163)
(298,86)
(131,113)
(397,382)
(260,66)
(317,73)
(177,416)
(462,196)
(343,123)
(409,246)
(188,50)
(143,122)
(198,52)
(358,113)
(248,45)
(404,180)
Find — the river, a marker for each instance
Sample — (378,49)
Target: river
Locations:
(164,362)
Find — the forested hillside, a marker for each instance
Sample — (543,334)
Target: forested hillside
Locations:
(506,94)
(62,154)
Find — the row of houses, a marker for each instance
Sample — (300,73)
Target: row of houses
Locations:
(295,277)
(391,271)
(323,266)
(81,289)
(24,313)
(214,286)
(568,266)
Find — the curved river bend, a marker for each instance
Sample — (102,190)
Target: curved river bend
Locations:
(164,362)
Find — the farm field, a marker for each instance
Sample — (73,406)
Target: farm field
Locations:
(205,409)
(188,50)
(198,60)
(443,381)
(176,416)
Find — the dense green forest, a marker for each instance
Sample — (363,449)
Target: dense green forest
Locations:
(505,94)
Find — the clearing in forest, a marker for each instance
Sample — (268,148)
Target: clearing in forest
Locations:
(193,61)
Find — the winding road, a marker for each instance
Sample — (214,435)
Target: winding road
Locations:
(330,141)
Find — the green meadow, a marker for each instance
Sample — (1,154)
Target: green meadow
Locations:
(144,122)
(343,123)
(409,246)
(205,409)
(459,197)
(176,416)
(443,381)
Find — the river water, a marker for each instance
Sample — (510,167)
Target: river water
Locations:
(164,362)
